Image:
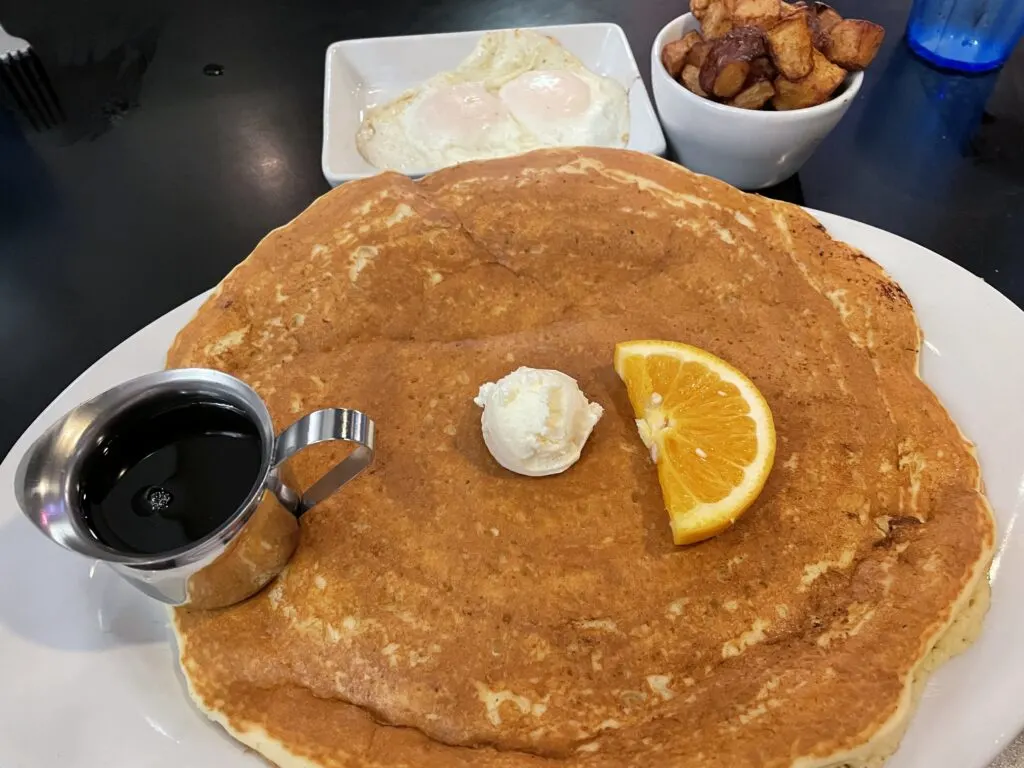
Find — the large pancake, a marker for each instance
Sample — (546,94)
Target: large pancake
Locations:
(440,611)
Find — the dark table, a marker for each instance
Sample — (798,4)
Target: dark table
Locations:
(165,177)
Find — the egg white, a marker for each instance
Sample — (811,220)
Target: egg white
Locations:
(518,90)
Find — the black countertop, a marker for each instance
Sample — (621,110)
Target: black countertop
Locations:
(164,177)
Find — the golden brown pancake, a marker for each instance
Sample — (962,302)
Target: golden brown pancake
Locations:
(441,611)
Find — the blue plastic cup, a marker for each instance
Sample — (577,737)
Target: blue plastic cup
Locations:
(965,35)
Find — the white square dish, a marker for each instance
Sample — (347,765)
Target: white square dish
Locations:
(361,74)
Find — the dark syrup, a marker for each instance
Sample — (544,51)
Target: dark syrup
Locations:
(169,475)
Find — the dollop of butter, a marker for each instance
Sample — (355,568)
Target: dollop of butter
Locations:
(535,422)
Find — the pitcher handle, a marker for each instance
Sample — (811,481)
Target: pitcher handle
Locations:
(319,427)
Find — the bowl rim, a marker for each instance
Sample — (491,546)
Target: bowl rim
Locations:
(853,82)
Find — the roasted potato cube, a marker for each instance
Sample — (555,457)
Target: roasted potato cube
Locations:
(729,78)
(697,54)
(699,7)
(753,96)
(761,12)
(853,43)
(788,9)
(716,22)
(827,16)
(816,88)
(691,38)
(727,65)
(790,46)
(818,36)
(673,55)
(691,80)
(761,68)
(747,41)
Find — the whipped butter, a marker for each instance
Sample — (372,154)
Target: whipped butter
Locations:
(535,422)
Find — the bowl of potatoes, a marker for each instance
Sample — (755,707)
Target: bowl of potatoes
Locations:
(747,89)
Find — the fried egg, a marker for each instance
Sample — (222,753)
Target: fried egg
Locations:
(518,90)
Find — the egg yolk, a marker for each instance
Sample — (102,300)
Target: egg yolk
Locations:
(546,94)
(461,112)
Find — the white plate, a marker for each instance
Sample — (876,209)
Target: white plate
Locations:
(87,672)
(360,74)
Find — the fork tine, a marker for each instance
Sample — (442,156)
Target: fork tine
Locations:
(32,90)
(48,92)
(28,98)
(7,69)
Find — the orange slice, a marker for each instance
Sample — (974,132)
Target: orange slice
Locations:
(708,429)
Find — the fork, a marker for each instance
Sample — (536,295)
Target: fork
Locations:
(23,76)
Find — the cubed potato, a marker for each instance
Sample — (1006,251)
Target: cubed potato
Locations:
(729,78)
(716,22)
(788,9)
(827,16)
(818,36)
(790,46)
(697,54)
(761,12)
(673,55)
(691,80)
(808,91)
(761,68)
(699,7)
(727,65)
(854,43)
(753,96)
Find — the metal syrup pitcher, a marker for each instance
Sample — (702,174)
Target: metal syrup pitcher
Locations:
(242,541)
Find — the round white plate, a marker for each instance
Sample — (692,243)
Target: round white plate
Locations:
(87,670)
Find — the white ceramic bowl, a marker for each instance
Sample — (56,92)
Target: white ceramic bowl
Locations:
(361,74)
(749,149)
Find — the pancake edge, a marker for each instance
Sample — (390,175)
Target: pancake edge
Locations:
(957,636)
